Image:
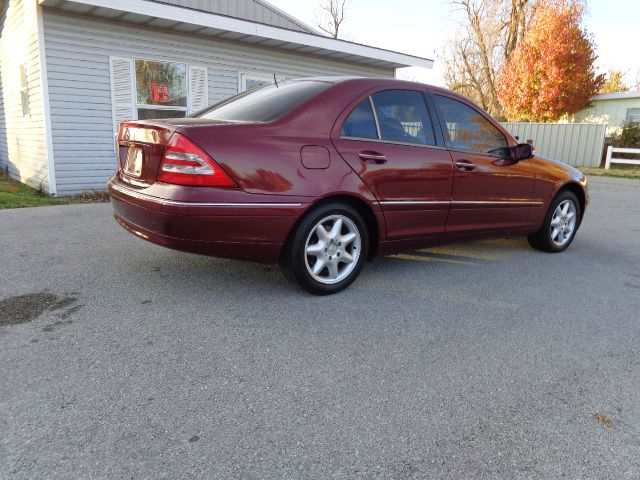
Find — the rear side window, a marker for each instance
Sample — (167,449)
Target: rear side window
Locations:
(361,122)
(466,129)
(403,117)
(264,104)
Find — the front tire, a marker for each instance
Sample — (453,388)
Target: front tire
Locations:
(325,253)
(560,224)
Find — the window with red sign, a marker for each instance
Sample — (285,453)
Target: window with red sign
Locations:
(161,89)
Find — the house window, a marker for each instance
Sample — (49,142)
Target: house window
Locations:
(247,81)
(161,89)
(633,115)
(24,90)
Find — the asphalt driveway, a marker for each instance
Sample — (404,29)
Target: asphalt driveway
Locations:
(120,359)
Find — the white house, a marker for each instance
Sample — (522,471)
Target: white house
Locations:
(614,109)
(71,69)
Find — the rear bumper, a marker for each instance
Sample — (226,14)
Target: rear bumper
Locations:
(228,224)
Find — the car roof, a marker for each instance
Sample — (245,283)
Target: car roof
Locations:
(372,82)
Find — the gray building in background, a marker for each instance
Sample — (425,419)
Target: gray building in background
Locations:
(71,69)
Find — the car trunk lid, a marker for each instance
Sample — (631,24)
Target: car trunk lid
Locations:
(142,145)
(139,150)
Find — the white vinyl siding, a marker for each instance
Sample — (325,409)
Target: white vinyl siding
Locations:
(78,52)
(4,148)
(23,141)
(613,112)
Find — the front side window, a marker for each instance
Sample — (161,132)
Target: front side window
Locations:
(360,123)
(161,89)
(403,117)
(465,129)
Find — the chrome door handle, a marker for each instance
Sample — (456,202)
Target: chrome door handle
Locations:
(465,165)
(373,157)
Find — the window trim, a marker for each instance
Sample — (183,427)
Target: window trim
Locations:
(134,80)
(435,119)
(392,142)
(441,126)
(430,115)
(375,116)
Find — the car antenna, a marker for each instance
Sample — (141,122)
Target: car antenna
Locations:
(275,80)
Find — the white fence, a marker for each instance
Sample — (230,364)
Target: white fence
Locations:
(626,161)
(578,144)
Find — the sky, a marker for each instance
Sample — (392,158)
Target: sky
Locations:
(422,27)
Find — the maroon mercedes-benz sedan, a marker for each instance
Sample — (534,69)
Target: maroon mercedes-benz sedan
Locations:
(320,174)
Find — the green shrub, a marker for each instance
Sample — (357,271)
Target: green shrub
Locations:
(628,136)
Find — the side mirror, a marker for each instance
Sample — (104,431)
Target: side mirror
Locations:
(522,151)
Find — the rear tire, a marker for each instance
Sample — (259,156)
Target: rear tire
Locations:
(327,250)
(560,224)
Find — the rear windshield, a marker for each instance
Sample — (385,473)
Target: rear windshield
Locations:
(264,104)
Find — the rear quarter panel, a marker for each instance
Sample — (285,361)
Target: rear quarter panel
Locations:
(266,158)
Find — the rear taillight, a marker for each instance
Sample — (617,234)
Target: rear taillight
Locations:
(184,163)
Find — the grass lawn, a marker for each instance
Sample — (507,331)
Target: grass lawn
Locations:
(624,172)
(17,195)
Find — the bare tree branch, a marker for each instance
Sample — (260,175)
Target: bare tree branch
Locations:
(486,38)
(332,16)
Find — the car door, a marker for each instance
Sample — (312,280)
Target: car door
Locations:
(388,138)
(490,190)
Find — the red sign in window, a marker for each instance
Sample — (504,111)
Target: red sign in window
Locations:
(158,92)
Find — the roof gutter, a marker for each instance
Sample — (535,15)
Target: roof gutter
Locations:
(617,96)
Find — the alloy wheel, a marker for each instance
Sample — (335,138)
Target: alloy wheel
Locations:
(563,223)
(332,249)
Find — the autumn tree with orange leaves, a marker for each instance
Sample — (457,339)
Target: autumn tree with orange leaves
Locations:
(551,72)
(490,30)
